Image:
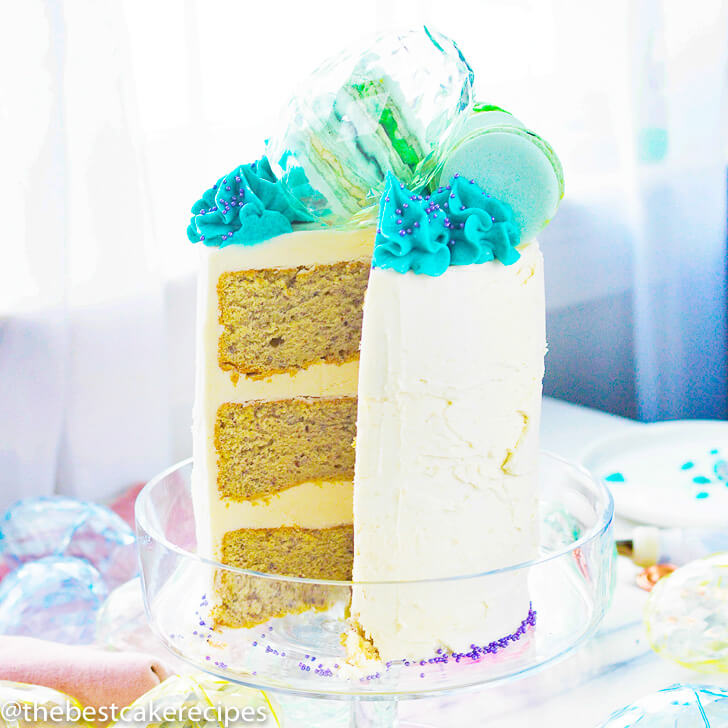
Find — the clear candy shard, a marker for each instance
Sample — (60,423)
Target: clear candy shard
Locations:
(56,526)
(224,703)
(686,615)
(678,706)
(54,598)
(33,698)
(388,108)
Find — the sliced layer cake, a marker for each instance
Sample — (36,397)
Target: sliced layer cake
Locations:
(449,327)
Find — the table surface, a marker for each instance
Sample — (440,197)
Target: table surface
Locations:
(611,670)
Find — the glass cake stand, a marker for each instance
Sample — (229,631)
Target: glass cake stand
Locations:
(301,656)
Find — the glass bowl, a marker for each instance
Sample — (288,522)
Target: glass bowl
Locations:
(570,584)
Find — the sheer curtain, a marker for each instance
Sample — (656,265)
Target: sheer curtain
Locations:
(116,114)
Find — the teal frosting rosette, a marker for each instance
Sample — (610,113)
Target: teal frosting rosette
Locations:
(457,224)
(246,206)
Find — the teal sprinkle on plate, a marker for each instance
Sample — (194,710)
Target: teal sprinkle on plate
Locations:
(615,478)
(721,470)
(702,495)
(686,466)
(714,451)
(701,479)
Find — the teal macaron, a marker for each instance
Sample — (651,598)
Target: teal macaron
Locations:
(510,163)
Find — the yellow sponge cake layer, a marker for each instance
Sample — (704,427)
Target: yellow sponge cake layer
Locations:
(282,320)
(325,553)
(245,601)
(267,446)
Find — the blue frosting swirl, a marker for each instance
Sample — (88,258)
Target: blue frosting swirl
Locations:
(458,224)
(246,206)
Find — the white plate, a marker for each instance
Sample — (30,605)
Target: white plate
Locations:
(666,474)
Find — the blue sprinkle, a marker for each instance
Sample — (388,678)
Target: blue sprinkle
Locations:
(686,466)
(702,495)
(714,451)
(701,479)
(615,478)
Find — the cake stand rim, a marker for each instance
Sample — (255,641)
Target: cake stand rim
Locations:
(595,532)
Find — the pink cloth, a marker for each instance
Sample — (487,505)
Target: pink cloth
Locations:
(124,505)
(94,677)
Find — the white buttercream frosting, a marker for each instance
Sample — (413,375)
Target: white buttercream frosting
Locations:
(446,461)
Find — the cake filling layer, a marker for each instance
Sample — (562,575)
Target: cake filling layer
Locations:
(265,447)
(309,505)
(284,319)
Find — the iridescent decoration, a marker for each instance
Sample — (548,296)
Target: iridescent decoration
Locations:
(34,699)
(56,526)
(679,706)
(388,108)
(56,598)
(686,615)
(236,706)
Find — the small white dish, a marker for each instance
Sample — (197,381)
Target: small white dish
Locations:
(669,474)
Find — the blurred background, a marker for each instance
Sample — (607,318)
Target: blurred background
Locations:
(116,115)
